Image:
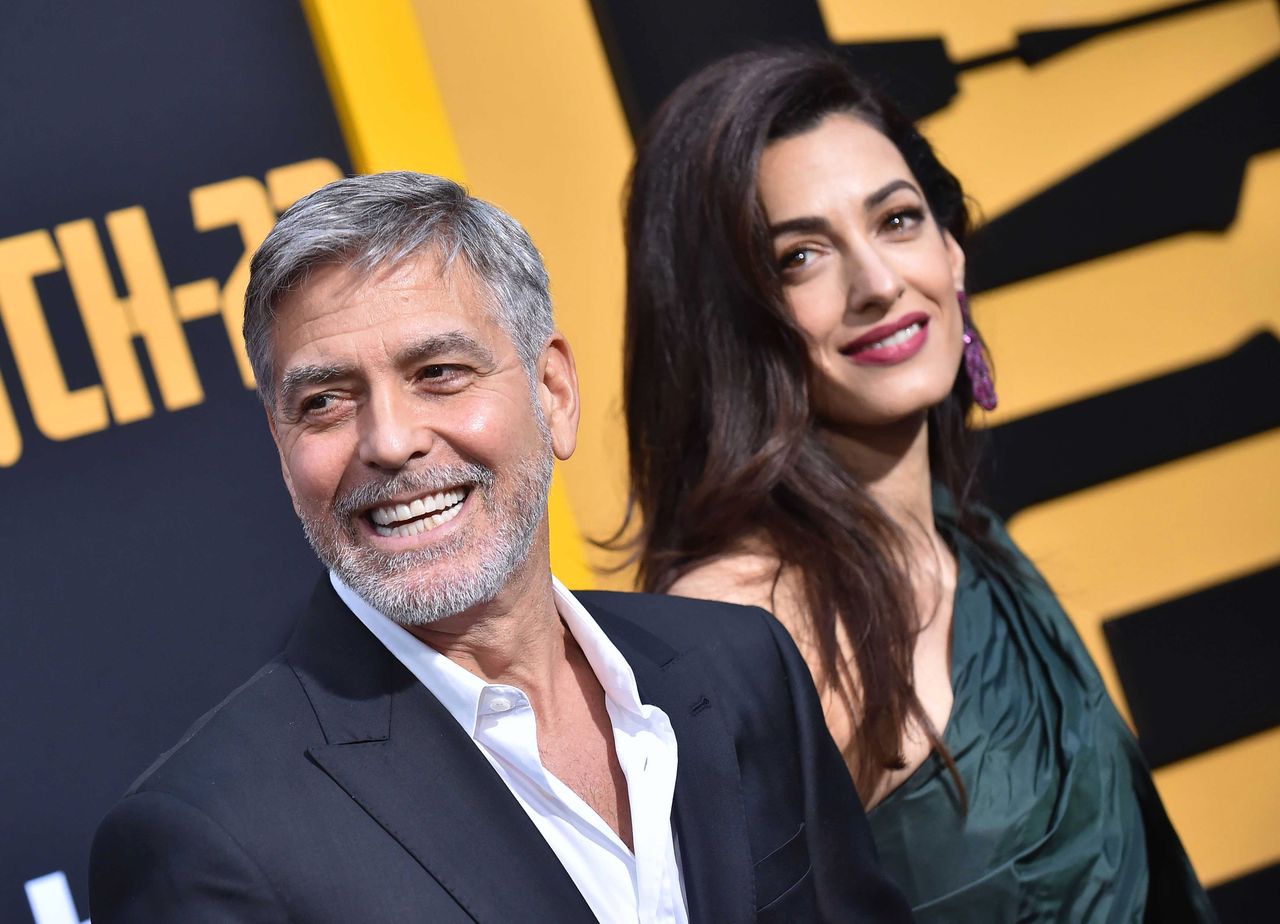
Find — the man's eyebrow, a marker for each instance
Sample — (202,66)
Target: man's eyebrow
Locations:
(300,378)
(816,224)
(454,343)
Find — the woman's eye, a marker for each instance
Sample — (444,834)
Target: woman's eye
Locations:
(796,259)
(904,219)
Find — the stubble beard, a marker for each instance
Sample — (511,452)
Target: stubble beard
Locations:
(419,587)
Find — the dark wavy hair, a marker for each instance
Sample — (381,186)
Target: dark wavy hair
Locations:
(723,438)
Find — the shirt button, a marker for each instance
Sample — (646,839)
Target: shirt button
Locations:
(499,704)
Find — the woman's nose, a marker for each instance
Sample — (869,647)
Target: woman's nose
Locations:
(873,281)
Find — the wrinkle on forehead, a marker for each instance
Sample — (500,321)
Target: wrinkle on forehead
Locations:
(423,282)
(342,280)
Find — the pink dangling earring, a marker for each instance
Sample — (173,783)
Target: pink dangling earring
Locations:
(975,360)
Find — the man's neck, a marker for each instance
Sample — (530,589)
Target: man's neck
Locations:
(516,638)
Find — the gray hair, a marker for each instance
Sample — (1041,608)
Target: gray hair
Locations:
(371,222)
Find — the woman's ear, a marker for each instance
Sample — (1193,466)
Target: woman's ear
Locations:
(558,392)
(955,255)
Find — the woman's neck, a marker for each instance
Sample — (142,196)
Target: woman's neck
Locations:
(892,463)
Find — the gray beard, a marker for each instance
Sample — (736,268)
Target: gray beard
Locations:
(390,582)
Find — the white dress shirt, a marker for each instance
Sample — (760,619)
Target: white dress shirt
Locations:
(643,887)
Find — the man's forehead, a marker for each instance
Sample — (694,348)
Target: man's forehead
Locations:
(421,285)
(343,310)
(353,279)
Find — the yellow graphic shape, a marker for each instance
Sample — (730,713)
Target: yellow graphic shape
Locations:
(240,203)
(61,413)
(1132,316)
(543,135)
(383,86)
(10,435)
(1224,805)
(287,184)
(112,322)
(972,28)
(385,91)
(1013,131)
(1154,536)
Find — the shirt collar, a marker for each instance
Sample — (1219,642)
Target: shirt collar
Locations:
(460,691)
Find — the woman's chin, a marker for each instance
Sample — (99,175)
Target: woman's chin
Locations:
(907,410)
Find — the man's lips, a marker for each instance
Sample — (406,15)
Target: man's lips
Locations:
(410,516)
(890,343)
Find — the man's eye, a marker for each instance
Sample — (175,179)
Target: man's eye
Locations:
(443,374)
(318,402)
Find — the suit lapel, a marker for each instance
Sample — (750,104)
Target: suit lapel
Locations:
(398,753)
(709,813)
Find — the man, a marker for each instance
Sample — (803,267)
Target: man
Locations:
(450,735)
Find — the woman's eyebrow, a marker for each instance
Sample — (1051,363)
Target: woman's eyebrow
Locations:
(808,224)
(815,224)
(887,190)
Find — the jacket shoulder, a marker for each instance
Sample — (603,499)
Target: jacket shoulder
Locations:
(254,721)
(680,621)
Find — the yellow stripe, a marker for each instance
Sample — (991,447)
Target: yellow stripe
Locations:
(1224,805)
(383,87)
(388,103)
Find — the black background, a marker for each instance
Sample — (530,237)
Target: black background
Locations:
(136,563)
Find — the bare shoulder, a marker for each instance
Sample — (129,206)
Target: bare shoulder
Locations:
(752,577)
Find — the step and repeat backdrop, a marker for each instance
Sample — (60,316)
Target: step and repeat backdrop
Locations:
(1124,158)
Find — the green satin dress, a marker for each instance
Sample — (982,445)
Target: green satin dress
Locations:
(1063,822)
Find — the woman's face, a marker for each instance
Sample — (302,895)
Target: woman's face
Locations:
(868,274)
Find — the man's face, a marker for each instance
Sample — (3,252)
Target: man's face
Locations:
(417,452)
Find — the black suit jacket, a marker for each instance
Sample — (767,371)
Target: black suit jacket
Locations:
(333,787)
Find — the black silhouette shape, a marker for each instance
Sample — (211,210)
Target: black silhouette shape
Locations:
(1185,175)
(1199,671)
(1075,446)
(652,46)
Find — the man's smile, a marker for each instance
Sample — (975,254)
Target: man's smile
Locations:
(408,518)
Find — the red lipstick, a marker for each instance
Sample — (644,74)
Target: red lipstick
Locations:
(890,343)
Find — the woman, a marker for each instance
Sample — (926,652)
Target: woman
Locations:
(800,367)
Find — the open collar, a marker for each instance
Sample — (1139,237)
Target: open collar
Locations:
(398,753)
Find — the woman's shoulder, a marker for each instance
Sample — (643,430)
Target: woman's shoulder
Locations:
(751,575)
(745,575)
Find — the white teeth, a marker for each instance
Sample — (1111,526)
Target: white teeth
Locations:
(897,337)
(442,508)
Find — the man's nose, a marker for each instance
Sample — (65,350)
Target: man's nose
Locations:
(873,281)
(393,430)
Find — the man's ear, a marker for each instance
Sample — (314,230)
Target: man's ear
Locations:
(557,390)
(284,469)
(955,255)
